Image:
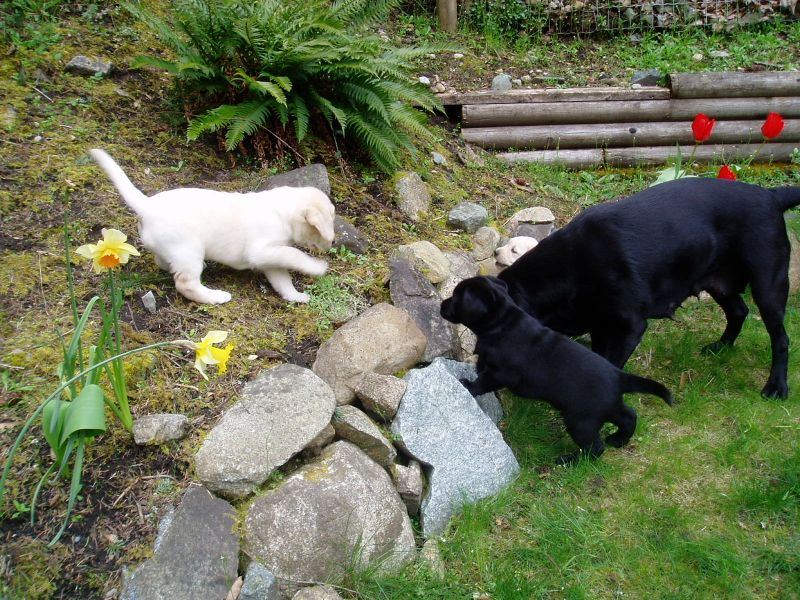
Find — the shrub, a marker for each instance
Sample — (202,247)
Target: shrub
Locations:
(247,65)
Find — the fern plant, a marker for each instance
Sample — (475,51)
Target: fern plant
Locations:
(253,63)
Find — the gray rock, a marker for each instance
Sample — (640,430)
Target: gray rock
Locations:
(316,445)
(431,556)
(159,428)
(488,402)
(8,118)
(315,175)
(502,82)
(489,267)
(424,80)
(149,302)
(484,243)
(349,236)
(259,584)
(537,231)
(413,196)
(83,65)
(534,215)
(719,54)
(196,555)
(383,339)
(441,425)
(354,426)
(410,485)
(381,394)
(411,291)
(465,342)
(468,217)
(280,412)
(426,257)
(438,158)
(647,77)
(462,266)
(438,88)
(317,592)
(516,82)
(338,512)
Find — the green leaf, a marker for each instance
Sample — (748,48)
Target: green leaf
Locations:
(53,424)
(85,415)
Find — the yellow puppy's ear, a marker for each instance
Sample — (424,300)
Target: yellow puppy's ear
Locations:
(320,222)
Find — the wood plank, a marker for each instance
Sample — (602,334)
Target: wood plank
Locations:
(548,113)
(573,159)
(595,135)
(527,96)
(448,17)
(628,157)
(735,84)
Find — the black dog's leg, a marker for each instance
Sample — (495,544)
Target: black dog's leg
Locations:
(735,313)
(770,294)
(586,434)
(483,384)
(625,420)
(617,341)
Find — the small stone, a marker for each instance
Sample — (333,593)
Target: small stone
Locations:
(439,88)
(413,196)
(83,65)
(159,428)
(259,584)
(431,556)
(354,426)
(427,258)
(526,79)
(37,139)
(149,302)
(501,83)
(410,486)
(697,57)
(319,443)
(720,54)
(381,394)
(349,236)
(636,86)
(468,217)
(424,80)
(484,243)
(516,82)
(458,55)
(317,592)
(647,77)
(439,159)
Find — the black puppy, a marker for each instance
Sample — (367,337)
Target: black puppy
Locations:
(517,352)
(618,264)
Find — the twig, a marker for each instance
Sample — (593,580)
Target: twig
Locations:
(48,98)
(125,491)
(12,367)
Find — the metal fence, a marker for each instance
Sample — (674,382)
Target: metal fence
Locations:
(536,17)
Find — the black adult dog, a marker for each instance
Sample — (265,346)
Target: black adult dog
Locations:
(517,352)
(618,264)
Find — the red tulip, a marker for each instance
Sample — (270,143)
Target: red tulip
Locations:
(726,173)
(773,126)
(701,127)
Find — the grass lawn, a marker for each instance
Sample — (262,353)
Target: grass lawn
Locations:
(702,504)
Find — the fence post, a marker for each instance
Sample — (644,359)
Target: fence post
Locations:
(448,17)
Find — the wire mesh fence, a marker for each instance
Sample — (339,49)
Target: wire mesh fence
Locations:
(536,17)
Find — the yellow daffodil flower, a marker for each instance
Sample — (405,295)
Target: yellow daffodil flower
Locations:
(206,354)
(108,253)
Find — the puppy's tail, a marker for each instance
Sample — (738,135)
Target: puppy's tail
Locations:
(634,383)
(787,197)
(129,192)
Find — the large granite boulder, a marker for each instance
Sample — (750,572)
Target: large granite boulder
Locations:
(281,411)
(337,512)
(488,402)
(440,424)
(196,553)
(383,339)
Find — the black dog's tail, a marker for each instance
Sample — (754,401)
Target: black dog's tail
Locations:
(787,197)
(634,383)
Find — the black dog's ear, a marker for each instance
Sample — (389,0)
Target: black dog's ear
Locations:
(477,298)
(497,283)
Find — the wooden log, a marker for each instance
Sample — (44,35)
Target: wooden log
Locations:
(735,84)
(524,96)
(546,113)
(573,159)
(448,17)
(542,137)
(657,155)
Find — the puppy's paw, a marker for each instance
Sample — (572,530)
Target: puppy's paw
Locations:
(568,459)
(298,297)
(615,440)
(779,391)
(318,268)
(715,347)
(218,297)
(468,384)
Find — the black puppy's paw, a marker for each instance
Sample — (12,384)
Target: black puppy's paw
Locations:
(470,385)
(715,347)
(616,440)
(779,391)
